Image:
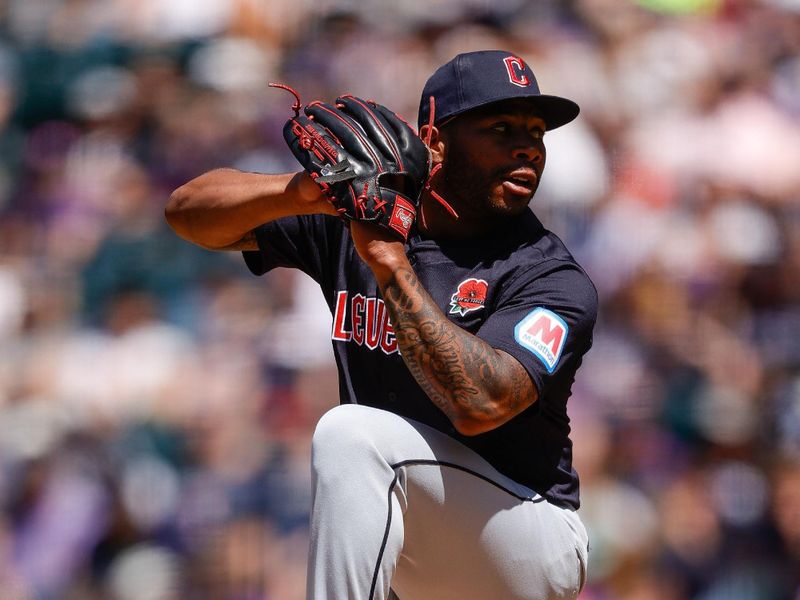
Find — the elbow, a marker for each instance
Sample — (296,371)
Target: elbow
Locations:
(491,415)
(183,213)
(471,426)
(176,210)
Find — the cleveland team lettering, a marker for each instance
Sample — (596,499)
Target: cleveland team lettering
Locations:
(369,322)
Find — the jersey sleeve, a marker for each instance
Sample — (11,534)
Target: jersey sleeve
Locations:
(308,243)
(545,321)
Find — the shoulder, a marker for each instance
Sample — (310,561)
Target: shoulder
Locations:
(540,252)
(542,269)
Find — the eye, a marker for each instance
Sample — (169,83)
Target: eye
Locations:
(499,127)
(537,132)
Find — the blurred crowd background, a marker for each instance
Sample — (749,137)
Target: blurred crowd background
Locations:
(157,401)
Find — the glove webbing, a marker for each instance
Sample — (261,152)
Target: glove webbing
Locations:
(341,171)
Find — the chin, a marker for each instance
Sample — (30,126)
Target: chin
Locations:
(513,206)
(515,211)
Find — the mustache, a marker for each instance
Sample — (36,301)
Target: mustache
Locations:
(505,170)
(457,175)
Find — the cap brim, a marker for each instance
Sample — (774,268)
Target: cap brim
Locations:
(555,110)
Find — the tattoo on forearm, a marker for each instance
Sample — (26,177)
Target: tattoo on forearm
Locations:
(455,368)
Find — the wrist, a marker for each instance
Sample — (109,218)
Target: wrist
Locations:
(307,195)
(381,251)
(386,263)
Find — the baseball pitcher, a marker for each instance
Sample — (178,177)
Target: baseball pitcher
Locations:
(459,322)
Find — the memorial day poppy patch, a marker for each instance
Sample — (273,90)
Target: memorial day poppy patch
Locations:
(470,295)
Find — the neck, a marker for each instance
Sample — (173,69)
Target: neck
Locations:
(436,222)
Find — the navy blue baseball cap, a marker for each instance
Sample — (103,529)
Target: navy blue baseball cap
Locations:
(475,79)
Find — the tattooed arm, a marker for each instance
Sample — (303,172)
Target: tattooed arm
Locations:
(477,386)
(219,209)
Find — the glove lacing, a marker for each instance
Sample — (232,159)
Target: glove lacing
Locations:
(427,186)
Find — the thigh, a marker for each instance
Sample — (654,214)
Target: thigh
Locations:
(467,537)
(469,531)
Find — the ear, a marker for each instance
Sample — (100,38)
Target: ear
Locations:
(437,144)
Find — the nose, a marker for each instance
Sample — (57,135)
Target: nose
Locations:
(529,151)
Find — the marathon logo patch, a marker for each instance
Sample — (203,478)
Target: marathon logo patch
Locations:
(470,295)
(543,333)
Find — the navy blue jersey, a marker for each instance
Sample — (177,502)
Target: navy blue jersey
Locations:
(521,292)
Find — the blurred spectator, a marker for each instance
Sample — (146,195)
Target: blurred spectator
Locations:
(156,403)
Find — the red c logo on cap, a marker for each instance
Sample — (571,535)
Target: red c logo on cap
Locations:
(516,71)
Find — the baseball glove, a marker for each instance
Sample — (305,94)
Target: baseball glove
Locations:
(368,160)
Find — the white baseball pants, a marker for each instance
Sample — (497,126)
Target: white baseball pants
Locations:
(400,505)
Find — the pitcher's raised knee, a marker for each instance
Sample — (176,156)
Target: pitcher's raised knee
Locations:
(345,433)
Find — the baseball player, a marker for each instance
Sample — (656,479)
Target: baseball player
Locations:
(459,323)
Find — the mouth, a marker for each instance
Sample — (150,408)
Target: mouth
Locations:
(520,182)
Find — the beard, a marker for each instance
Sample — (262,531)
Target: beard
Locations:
(472,187)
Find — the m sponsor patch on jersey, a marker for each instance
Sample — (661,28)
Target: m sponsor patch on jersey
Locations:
(544,333)
(470,295)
